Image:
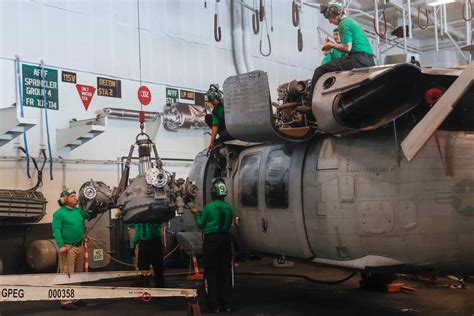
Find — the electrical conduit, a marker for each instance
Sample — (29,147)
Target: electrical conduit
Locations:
(45,107)
(20,100)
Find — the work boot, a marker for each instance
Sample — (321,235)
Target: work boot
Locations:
(69,307)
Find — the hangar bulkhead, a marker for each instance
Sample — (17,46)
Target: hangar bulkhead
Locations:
(245,157)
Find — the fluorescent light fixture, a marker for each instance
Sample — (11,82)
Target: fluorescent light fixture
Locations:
(440,2)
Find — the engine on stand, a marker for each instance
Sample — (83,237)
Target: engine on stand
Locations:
(154,196)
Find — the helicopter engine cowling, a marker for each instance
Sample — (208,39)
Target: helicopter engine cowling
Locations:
(365,99)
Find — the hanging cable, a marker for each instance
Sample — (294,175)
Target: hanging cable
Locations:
(295,14)
(300,40)
(255,22)
(139,46)
(290,275)
(45,107)
(141,116)
(20,100)
(467,11)
(271,15)
(265,23)
(39,181)
(261,11)
(217,28)
(418,22)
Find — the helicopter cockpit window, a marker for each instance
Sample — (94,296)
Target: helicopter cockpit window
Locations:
(248,180)
(276,179)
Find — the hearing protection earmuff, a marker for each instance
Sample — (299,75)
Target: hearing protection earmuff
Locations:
(63,197)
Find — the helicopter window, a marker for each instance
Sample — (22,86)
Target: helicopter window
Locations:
(248,180)
(276,179)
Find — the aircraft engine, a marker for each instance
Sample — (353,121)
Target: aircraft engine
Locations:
(343,102)
(154,196)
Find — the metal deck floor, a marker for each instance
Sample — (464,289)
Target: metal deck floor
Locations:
(282,296)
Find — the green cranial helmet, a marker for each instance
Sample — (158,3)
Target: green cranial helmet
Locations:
(68,192)
(213,93)
(218,187)
(333,9)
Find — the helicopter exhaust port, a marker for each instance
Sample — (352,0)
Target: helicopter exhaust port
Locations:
(365,99)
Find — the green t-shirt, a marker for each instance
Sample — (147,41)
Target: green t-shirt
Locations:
(68,225)
(351,32)
(216,217)
(333,54)
(148,231)
(218,115)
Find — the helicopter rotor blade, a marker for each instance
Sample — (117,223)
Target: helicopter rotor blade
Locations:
(422,132)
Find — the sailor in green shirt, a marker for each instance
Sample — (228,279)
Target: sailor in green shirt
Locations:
(354,42)
(68,231)
(333,53)
(216,121)
(216,220)
(150,251)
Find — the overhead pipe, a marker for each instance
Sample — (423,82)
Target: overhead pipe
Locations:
(129,114)
(435,14)
(405,50)
(441,21)
(445,20)
(410,32)
(237,37)
(246,39)
(376,24)
(468,6)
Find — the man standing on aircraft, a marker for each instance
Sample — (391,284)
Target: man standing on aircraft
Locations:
(216,121)
(216,220)
(68,231)
(354,42)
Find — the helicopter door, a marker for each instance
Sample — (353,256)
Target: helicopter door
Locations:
(282,229)
(246,199)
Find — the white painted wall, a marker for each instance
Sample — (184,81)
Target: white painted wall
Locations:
(443,58)
(100,38)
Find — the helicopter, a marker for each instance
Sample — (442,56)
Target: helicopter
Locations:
(374,174)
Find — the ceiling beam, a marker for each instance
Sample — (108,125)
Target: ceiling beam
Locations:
(399,4)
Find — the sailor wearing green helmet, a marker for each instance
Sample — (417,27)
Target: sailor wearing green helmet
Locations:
(68,231)
(216,220)
(354,42)
(332,54)
(216,121)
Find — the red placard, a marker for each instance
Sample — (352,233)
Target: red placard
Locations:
(86,93)
(144,95)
